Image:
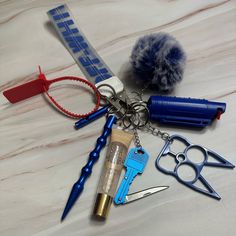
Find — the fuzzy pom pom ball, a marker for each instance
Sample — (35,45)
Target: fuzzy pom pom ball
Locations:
(158,61)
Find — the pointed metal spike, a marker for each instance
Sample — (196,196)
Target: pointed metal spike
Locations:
(221,162)
(75,193)
(63,216)
(211,192)
(87,169)
(216,196)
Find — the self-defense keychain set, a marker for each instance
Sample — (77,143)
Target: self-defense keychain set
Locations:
(126,116)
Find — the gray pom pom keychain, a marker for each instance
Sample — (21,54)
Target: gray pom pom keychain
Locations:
(158,60)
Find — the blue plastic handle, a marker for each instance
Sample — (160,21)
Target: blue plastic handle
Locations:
(87,169)
(184,111)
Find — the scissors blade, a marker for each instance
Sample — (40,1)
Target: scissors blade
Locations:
(144,193)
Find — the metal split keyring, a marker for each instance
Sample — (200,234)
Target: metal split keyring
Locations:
(134,115)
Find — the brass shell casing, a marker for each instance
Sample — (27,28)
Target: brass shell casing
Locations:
(102,205)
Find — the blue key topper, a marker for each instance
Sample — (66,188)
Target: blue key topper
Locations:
(135,163)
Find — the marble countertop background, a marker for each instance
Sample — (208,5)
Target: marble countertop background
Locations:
(41,154)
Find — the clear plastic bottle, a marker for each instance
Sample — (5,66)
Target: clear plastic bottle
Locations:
(116,153)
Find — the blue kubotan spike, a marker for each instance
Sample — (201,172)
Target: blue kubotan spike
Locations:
(87,169)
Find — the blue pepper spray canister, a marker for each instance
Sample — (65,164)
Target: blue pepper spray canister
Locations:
(184,111)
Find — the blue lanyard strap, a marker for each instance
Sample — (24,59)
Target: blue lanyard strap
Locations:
(91,64)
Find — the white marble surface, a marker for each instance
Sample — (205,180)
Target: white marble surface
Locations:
(40,153)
